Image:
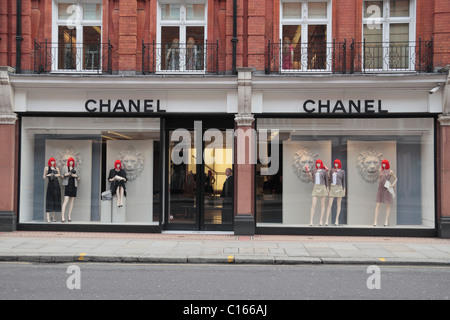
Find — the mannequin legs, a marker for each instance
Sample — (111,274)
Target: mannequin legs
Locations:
(48,217)
(67,200)
(313,209)
(330,204)
(120,193)
(338,209)
(388,213)
(322,209)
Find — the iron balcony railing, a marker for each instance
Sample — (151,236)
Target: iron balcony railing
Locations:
(326,57)
(392,56)
(180,58)
(306,57)
(344,57)
(86,57)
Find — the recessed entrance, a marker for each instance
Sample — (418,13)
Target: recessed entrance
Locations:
(199,182)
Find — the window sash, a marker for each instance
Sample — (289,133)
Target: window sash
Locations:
(81,59)
(379,25)
(183,23)
(306,51)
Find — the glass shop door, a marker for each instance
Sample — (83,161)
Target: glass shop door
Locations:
(200,180)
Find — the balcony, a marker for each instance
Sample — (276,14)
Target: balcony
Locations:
(165,58)
(72,57)
(354,57)
(416,56)
(200,59)
(304,57)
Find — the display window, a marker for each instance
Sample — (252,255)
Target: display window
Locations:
(368,173)
(90,170)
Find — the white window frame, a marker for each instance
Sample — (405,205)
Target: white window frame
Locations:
(79,24)
(304,21)
(386,21)
(182,23)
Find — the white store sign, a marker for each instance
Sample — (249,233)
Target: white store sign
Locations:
(346,102)
(313,102)
(125,102)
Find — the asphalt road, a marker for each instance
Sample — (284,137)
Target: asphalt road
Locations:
(186,282)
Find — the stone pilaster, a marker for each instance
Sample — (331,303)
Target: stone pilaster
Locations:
(244,222)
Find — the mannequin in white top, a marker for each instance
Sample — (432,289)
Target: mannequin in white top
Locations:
(337,190)
(320,190)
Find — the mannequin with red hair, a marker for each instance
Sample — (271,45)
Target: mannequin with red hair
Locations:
(337,189)
(118,178)
(320,190)
(53,196)
(70,181)
(385,187)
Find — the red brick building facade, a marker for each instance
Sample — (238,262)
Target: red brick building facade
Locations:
(323,56)
(127,23)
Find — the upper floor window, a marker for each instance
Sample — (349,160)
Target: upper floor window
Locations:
(305,35)
(76,35)
(389,34)
(181,36)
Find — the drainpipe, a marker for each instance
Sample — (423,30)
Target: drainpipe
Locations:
(19,37)
(234,40)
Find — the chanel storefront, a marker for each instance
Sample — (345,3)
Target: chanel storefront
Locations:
(375,137)
(97,153)
(376,142)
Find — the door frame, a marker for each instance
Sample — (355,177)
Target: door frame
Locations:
(220,122)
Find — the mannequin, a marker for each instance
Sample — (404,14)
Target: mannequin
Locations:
(118,178)
(337,189)
(288,54)
(70,181)
(191,54)
(320,190)
(383,195)
(173,55)
(53,197)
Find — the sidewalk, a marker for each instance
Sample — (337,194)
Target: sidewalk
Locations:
(69,247)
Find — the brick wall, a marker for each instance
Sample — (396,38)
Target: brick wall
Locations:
(7,31)
(441,33)
(126,23)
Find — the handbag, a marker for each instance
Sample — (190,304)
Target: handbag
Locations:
(387,185)
(107,195)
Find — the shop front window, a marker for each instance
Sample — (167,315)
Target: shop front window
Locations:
(76,171)
(372,173)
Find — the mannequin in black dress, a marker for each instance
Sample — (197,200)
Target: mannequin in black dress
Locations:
(53,197)
(70,181)
(118,178)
